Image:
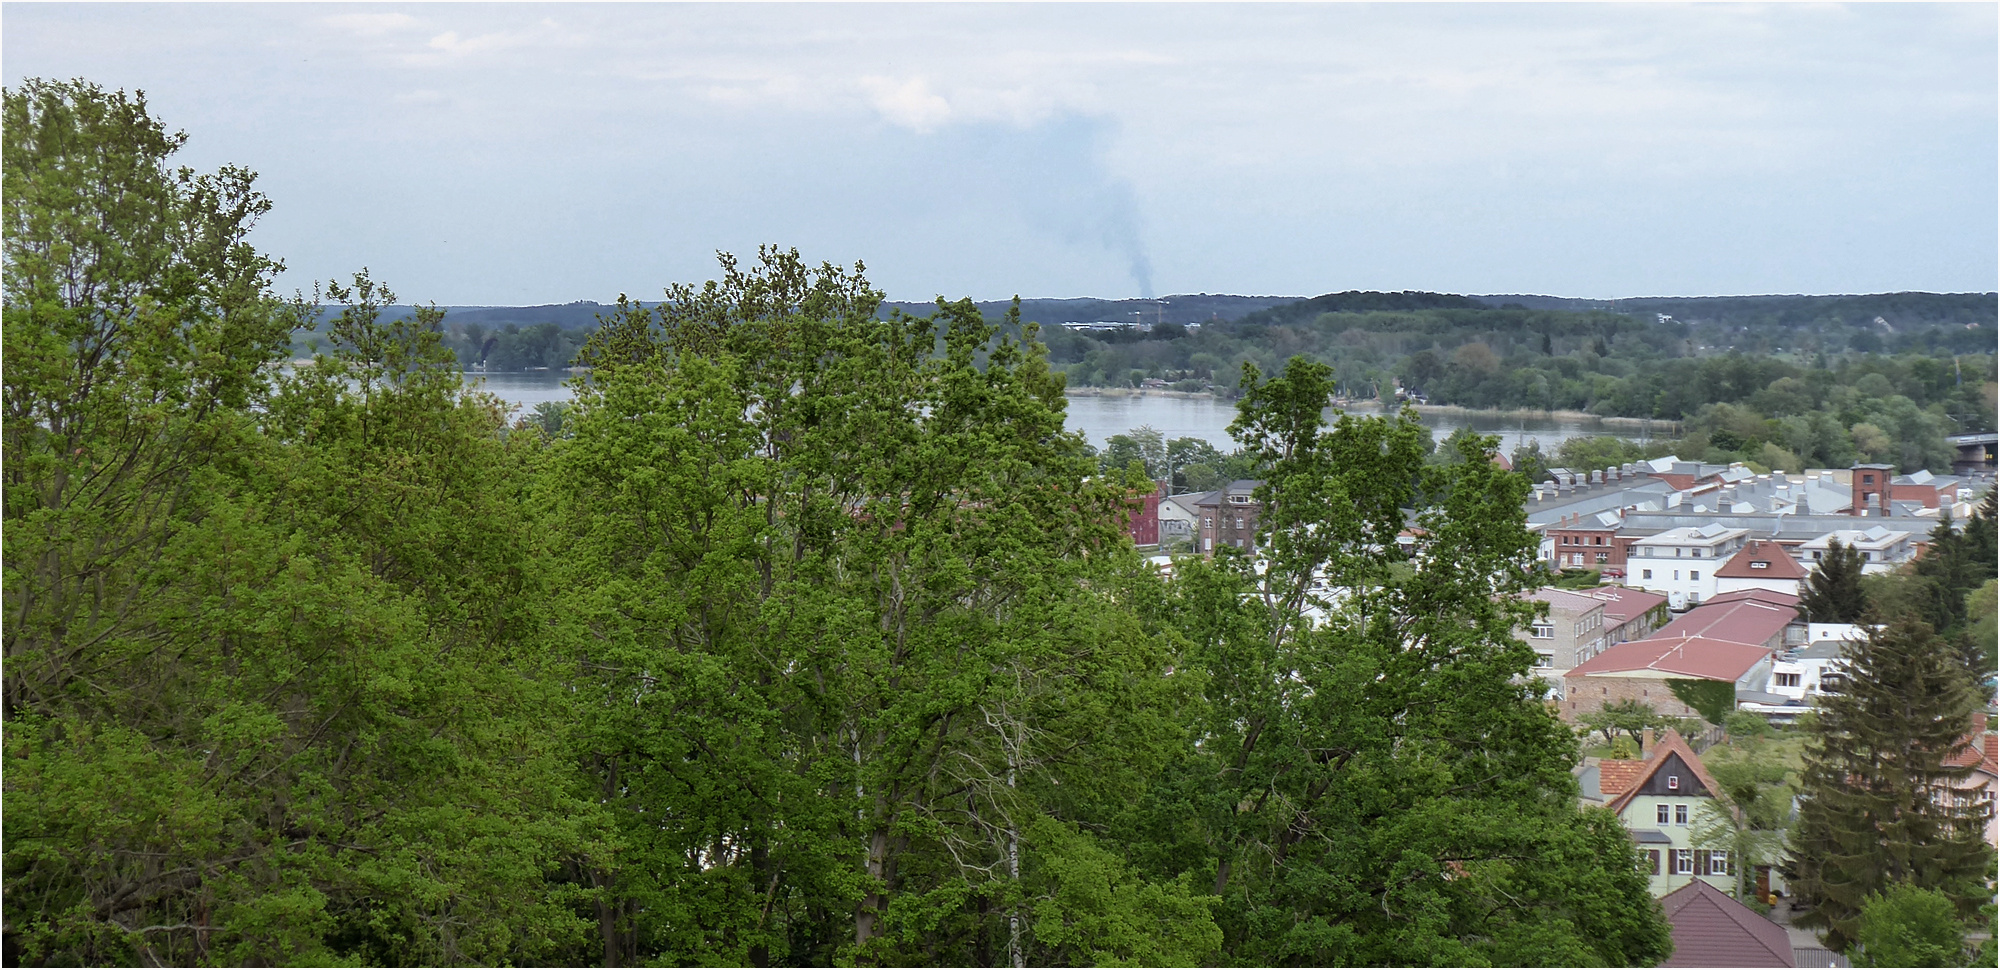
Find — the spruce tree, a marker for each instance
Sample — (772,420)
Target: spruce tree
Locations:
(1833,591)
(1880,804)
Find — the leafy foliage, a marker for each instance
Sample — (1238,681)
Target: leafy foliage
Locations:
(807,635)
(1905,926)
(1712,699)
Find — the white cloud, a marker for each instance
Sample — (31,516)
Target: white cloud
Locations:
(450,43)
(370,24)
(908,103)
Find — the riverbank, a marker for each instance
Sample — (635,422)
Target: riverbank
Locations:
(1650,426)
(1669,429)
(1142,392)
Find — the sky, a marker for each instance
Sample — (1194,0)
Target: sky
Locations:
(516,154)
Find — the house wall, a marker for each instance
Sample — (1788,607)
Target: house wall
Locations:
(1731,584)
(1685,582)
(1574,636)
(1637,627)
(1642,814)
(1582,695)
(1227,524)
(1600,548)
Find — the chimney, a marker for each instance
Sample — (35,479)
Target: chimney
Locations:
(1597,477)
(1647,744)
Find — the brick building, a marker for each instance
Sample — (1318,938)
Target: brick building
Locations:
(1229,517)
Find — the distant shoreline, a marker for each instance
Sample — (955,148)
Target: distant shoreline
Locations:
(1376,407)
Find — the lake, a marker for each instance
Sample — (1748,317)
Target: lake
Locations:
(1101,416)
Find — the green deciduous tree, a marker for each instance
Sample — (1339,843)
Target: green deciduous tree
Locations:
(268,691)
(1879,803)
(844,610)
(1905,926)
(1749,819)
(1376,781)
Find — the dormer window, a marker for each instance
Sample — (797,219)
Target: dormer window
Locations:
(1759,564)
(1673,783)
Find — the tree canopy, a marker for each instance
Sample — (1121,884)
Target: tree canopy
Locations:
(807,635)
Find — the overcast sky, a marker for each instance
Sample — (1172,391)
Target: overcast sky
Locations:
(525,153)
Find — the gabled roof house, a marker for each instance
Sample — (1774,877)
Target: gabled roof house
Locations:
(1713,930)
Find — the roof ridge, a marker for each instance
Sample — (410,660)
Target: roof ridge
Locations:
(1670,743)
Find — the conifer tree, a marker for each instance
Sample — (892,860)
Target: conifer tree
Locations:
(1881,803)
(1833,591)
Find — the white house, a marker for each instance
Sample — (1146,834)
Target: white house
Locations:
(1882,550)
(1180,516)
(1761,564)
(1682,562)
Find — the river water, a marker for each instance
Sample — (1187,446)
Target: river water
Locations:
(1100,417)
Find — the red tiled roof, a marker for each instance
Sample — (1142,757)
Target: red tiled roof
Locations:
(1712,930)
(1771,596)
(1624,603)
(1777,563)
(1742,620)
(1617,776)
(1567,599)
(1672,743)
(1701,658)
(1980,749)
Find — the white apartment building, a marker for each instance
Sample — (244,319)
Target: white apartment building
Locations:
(1681,563)
(1882,550)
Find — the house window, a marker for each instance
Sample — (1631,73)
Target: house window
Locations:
(1597,540)
(1677,575)
(1683,862)
(1694,574)
(1208,544)
(1788,680)
(1239,522)
(1208,521)
(1545,660)
(1759,564)
(1673,783)
(1867,478)
(1680,814)
(1647,574)
(1718,864)
(1603,557)
(1660,812)
(1543,631)
(1653,861)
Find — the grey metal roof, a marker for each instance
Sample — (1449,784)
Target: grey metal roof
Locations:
(1764,524)
(1598,498)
